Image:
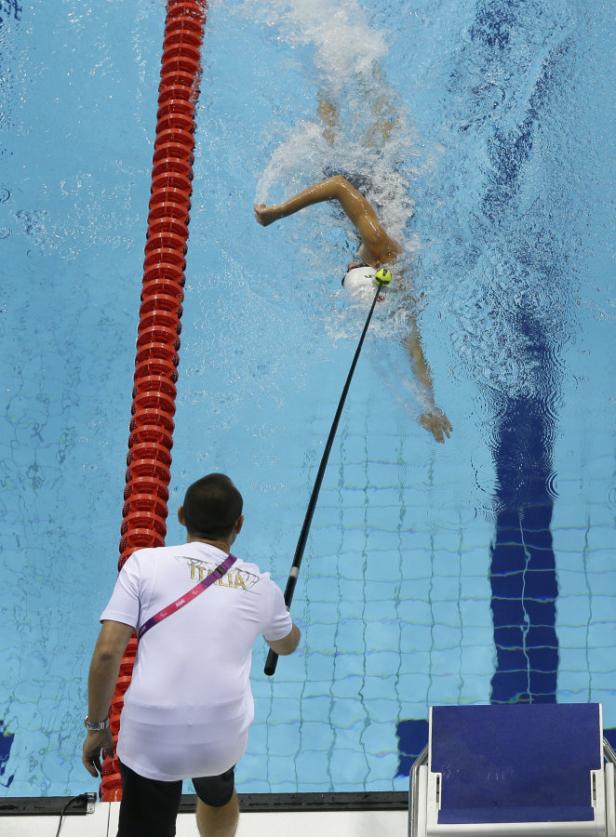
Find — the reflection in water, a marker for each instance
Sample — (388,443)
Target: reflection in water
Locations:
(523,571)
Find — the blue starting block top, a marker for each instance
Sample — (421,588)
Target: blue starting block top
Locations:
(516,763)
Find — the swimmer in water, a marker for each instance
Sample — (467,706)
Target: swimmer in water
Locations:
(377,249)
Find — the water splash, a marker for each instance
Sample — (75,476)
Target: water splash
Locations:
(381,173)
(344,43)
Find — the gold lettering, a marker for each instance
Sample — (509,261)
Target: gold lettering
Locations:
(197,568)
(239,581)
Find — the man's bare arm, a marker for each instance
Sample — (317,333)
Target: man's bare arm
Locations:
(105,665)
(287,644)
(104,669)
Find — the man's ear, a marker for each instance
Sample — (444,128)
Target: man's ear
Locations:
(238,524)
(181,517)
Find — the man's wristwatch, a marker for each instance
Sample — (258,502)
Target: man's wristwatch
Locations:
(96,726)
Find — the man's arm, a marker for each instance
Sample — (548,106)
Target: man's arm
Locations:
(105,665)
(287,644)
(104,668)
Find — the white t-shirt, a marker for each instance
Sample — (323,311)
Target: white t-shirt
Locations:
(189,705)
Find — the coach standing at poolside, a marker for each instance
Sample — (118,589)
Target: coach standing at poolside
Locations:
(189,706)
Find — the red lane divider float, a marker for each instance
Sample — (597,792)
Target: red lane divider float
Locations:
(146,492)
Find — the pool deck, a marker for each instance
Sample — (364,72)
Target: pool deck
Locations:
(103,823)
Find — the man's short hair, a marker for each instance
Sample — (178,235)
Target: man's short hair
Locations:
(211,506)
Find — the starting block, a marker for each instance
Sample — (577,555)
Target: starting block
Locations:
(515,770)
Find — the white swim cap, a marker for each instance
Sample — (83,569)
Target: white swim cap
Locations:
(360,283)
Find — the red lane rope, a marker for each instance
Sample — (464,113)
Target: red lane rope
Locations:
(158,338)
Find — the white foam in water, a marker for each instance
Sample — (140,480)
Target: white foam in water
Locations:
(382,174)
(344,43)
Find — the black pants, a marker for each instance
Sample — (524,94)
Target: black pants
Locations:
(149,807)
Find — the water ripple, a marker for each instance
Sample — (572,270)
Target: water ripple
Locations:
(551,486)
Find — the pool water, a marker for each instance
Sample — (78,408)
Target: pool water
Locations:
(475,571)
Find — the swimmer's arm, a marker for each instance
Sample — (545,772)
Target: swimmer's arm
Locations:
(418,360)
(358,209)
(105,666)
(432,418)
(287,644)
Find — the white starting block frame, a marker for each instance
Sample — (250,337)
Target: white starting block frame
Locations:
(481,774)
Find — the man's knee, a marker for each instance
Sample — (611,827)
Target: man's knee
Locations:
(216,791)
(232,802)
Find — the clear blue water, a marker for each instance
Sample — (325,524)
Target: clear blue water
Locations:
(482,570)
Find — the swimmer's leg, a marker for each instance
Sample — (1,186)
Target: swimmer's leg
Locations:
(381,129)
(384,117)
(328,113)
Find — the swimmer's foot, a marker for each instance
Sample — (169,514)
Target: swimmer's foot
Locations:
(265,215)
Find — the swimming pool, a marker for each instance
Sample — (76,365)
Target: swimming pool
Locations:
(480,570)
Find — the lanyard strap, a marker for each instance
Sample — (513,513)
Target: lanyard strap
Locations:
(217,573)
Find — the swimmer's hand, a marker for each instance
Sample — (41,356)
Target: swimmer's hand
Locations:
(436,422)
(265,215)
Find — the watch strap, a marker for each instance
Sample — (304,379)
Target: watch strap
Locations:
(96,726)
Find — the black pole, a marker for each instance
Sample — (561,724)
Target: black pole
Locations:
(272,658)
